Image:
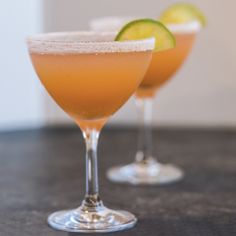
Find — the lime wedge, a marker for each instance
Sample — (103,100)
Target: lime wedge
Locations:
(147,28)
(182,13)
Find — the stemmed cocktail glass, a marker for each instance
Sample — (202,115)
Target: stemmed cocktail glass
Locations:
(147,169)
(90,76)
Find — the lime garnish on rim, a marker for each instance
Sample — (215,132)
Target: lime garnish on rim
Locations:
(180,13)
(147,28)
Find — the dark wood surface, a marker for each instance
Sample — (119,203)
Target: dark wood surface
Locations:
(42,171)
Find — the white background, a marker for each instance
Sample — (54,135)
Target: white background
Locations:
(202,94)
(19,93)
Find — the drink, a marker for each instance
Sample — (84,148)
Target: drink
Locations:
(90,76)
(165,64)
(109,23)
(83,93)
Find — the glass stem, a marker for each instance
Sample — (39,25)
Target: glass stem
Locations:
(92,199)
(144,107)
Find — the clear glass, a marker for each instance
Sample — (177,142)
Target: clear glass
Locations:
(146,170)
(92,215)
(52,56)
(111,23)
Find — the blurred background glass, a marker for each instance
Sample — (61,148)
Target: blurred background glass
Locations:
(201,94)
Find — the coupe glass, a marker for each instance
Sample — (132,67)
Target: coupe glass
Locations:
(147,170)
(90,76)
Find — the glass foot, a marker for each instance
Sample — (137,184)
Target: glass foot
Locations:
(101,220)
(150,172)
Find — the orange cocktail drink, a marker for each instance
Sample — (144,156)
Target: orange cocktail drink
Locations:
(91,86)
(90,77)
(162,68)
(165,64)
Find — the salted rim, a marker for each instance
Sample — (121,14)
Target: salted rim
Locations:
(185,28)
(85,42)
(111,22)
(116,23)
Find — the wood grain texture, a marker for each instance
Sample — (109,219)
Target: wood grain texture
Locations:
(42,171)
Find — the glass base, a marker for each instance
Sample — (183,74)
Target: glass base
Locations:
(101,220)
(150,172)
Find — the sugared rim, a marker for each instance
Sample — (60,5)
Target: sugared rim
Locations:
(115,23)
(85,42)
(108,23)
(185,28)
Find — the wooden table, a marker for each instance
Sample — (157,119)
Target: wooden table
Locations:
(42,171)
